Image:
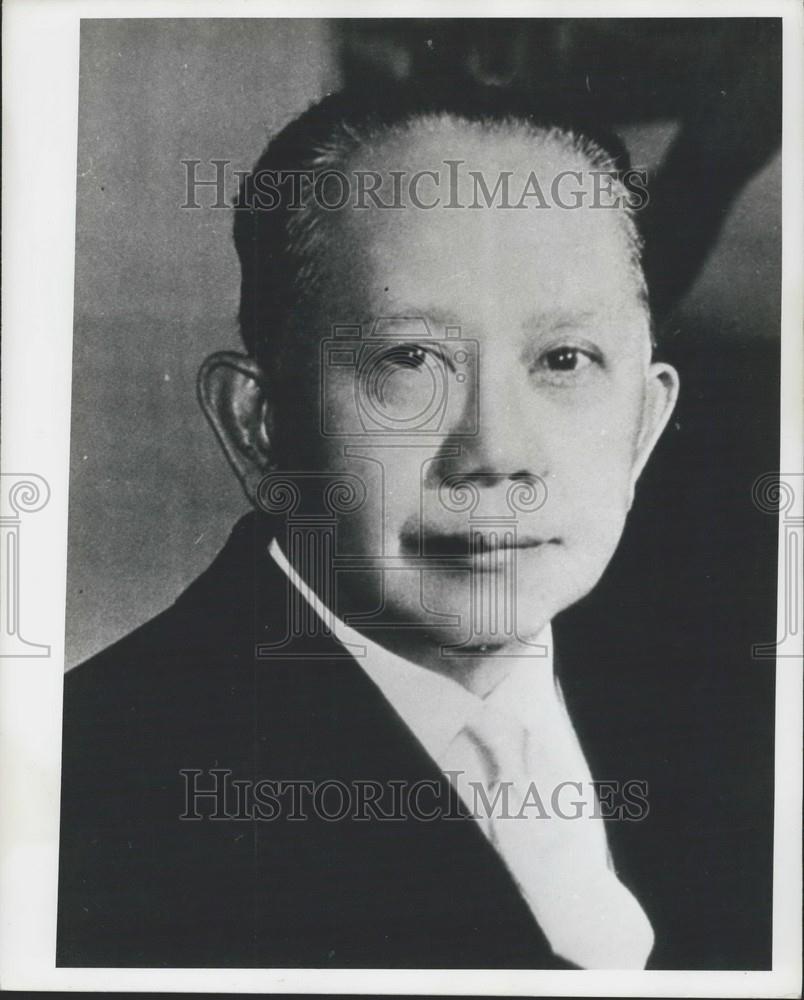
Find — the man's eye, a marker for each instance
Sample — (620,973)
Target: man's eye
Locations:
(407,355)
(412,356)
(566,359)
(568,364)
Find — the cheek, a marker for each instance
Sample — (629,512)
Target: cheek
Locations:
(595,496)
(592,469)
(599,472)
(298,439)
(390,479)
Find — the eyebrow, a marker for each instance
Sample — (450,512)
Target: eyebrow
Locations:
(555,319)
(433,317)
(540,322)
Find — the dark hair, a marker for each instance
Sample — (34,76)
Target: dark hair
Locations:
(276,244)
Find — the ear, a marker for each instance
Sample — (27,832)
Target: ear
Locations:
(661,393)
(232,393)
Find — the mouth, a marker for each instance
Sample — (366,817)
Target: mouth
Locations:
(475,546)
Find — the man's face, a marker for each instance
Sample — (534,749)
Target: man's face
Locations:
(505,442)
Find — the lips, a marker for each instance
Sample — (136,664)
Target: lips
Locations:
(476,545)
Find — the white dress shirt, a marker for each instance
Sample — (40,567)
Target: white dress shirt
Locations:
(514,758)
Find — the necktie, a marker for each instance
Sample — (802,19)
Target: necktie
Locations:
(507,776)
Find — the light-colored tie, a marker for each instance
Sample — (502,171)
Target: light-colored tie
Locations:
(561,866)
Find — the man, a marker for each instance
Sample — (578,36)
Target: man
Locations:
(445,406)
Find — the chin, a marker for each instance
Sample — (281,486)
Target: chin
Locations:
(491,612)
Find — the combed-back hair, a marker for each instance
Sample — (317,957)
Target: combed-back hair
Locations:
(278,245)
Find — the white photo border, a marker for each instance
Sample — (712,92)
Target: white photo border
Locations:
(40,115)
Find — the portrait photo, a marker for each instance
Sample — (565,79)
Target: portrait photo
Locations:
(422,564)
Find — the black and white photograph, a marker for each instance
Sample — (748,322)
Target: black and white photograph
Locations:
(433,569)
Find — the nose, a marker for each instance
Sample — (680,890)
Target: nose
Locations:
(496,438)
(504,446)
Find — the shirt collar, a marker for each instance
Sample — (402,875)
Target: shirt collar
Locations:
(434,707)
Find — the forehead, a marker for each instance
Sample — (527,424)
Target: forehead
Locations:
(478,260)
